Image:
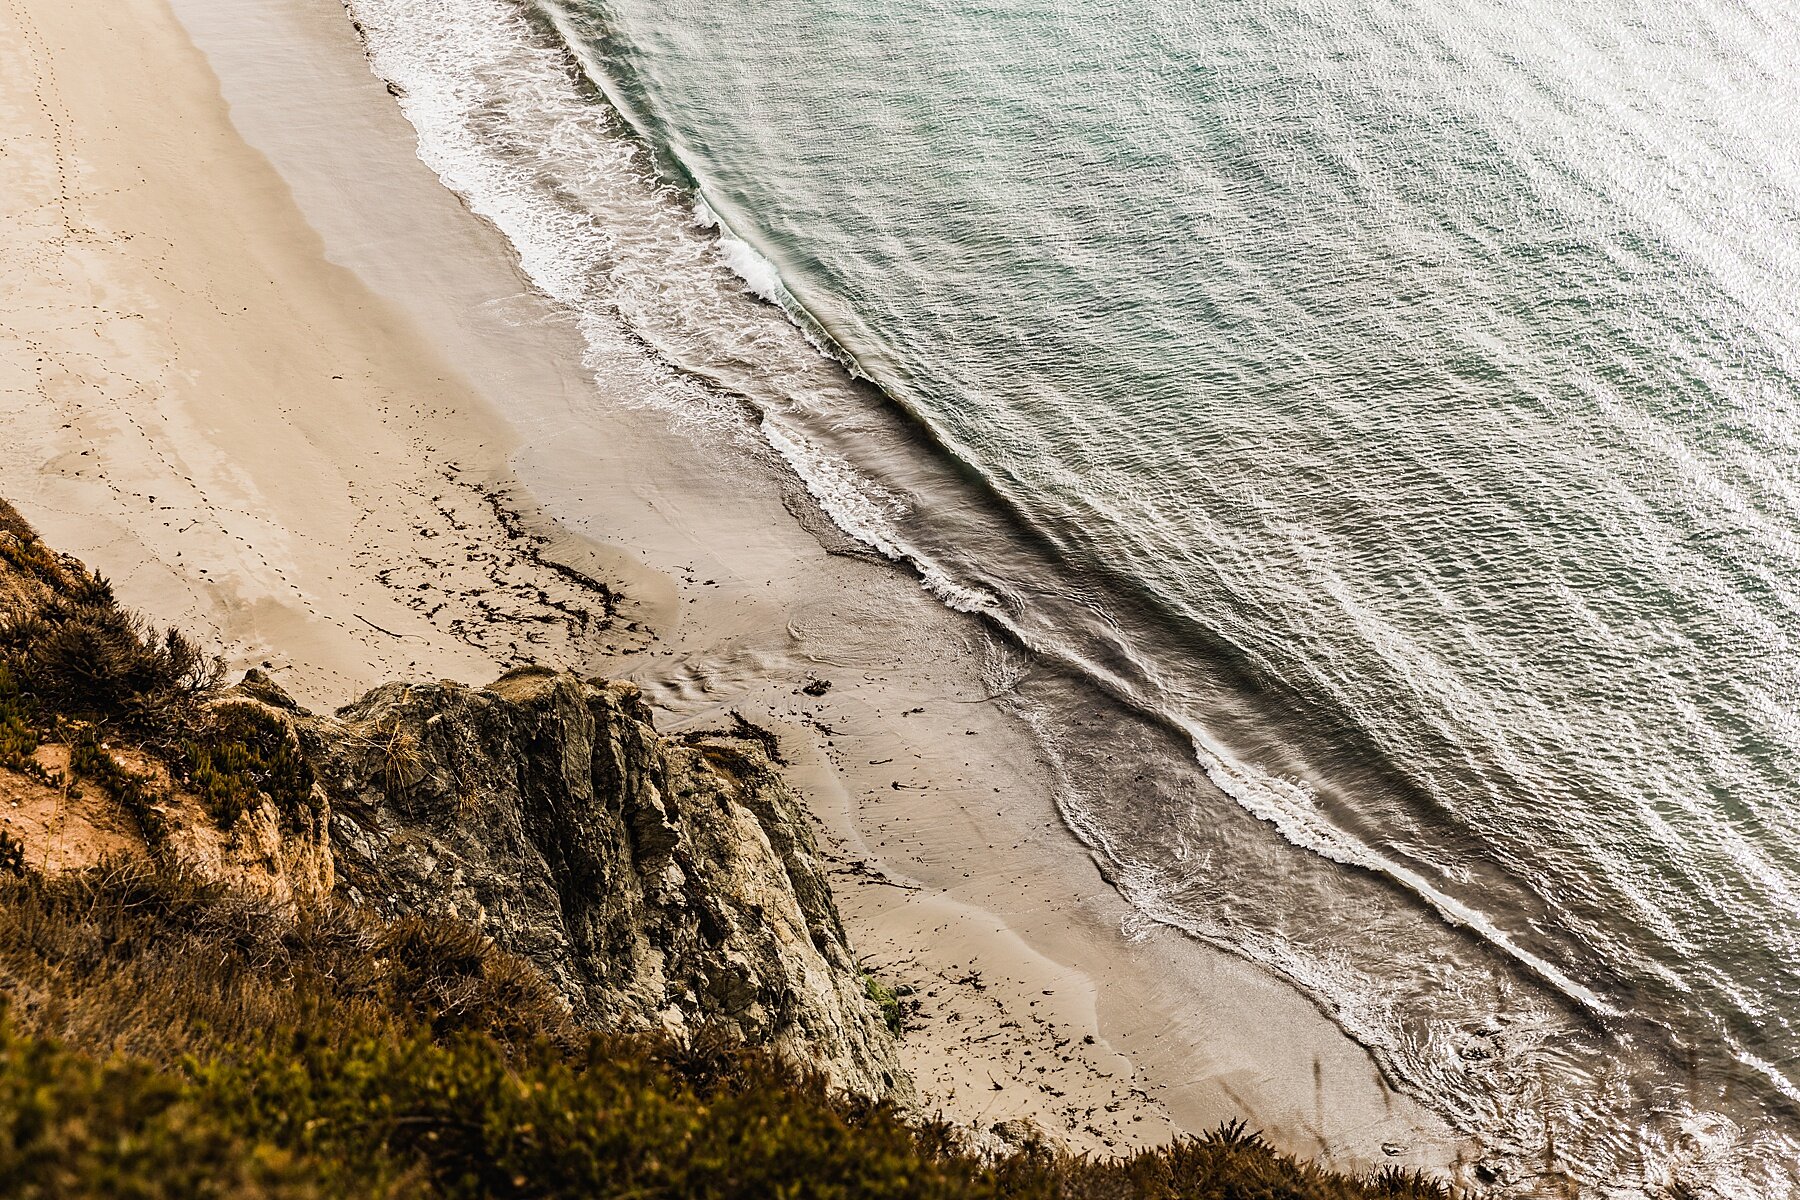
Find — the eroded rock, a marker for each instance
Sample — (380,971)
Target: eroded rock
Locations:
(659,883)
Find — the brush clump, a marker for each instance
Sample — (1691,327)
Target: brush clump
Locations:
(77,668)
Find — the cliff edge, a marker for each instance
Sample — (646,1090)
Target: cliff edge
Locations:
(667,884)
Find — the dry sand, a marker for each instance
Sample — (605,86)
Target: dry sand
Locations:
(264,370)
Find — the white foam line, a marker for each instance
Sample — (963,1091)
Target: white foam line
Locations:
(758,273)
(459,88)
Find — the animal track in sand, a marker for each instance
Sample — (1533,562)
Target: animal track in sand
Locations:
(49,100)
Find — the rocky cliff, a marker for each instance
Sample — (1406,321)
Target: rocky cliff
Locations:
(658,883)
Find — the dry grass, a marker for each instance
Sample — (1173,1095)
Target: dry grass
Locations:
(129,957)
(159,1026)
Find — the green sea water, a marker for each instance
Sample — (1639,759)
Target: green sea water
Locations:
(1389,411)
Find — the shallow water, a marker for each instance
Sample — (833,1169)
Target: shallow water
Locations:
(1378,419)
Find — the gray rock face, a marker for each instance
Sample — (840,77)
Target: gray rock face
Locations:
(657,882)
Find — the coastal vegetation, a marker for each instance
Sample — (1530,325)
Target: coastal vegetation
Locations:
(77,668)
(166,1035)
(165,1038)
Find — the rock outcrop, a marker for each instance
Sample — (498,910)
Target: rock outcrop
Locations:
(659,883)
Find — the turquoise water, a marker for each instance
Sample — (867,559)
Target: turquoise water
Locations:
(1380,419)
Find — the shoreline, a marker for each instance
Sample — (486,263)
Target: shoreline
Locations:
(377,273)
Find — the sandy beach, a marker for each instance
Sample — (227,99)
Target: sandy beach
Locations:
(264,371)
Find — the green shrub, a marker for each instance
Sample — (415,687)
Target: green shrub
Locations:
(18,738)
(72,656)
(449,976)
(92,660)
(29,556)
(11,522)
(136,795)
(1230,1163)
(72,1125)
(243,751)
(893,1009)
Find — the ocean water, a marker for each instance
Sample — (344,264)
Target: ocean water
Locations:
(1378,425)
